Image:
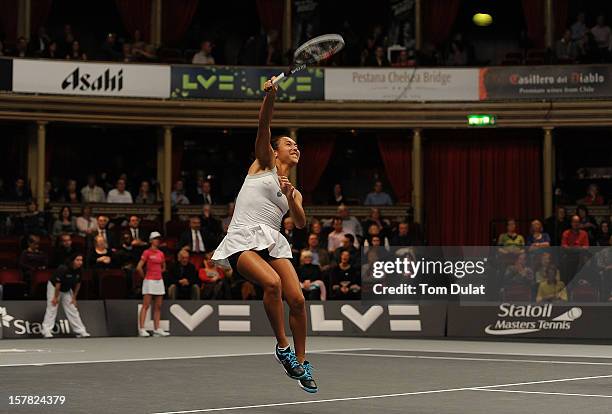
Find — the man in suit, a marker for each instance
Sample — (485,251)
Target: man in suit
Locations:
(138,236)
(182,279)
(203,195)
(103,230)
(193,238)
(212,228)
(320,256)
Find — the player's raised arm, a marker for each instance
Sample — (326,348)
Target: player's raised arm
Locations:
(263,149)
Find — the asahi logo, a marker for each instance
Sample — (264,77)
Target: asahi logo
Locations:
(524,319)
(24,327)
(107,81)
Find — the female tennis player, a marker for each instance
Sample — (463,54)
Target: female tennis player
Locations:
(258,251)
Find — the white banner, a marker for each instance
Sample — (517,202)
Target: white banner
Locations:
(401,84)
(84,78)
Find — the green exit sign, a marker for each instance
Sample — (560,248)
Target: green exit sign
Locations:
(481,120)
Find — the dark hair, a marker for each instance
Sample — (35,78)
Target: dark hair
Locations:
(274,141)
(582,207)
(72,258)
(61,212)
(336,218)
(350,237)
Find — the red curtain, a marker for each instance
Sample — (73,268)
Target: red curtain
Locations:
(315,152)
(534,10)
(396,153)
(271,14)
(8,19)
(438,19)
(136,14)
(176,18)
(475,177)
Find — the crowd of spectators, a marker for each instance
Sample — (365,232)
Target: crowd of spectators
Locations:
(584,44)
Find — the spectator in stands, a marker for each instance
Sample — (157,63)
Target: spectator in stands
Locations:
(204,56)
(182,276)
(537,239)
(100,257)
(543,264)
(293,236)
(551,289)
(38,44)
(145,195)
(345,280)
(214,283)
(334,239)
(458,53)
(350,224)
(378,197)
(510,240)
(212,227)
(70,195)
(102,230)
(126,53)
(519,273)
(405,236)
(347,246)
(32,259)
(76,53)
(578,29)
(137,42)
(376,218)
(587,222)
(178,196)
(64,287)
(51,51)
(139,237)
(601,33)
(575,236)
(337,196)
(20,191)
(320,256)
(193,239)
(556,225)
(565,48)
(33,221)
(602,236)
(310,278)
(203,195)
(127,256)
(405,59)
(66,222)
(85,223)
(374,231)
(593,197)
(119,194)
(91,193)
(147,55)
(63,250)
(109,50)
(228,218)
(378,59)
(317,228)
(21,51)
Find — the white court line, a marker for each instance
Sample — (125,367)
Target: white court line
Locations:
(550,393)
(433,351)
(370,397)
(102,361)
(529,361)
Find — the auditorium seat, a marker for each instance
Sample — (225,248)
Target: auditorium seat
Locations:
(39,281)
(584,294)
(13,284)
(517,293)
(112,284)
(8,259)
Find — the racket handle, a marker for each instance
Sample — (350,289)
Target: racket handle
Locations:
(278,78)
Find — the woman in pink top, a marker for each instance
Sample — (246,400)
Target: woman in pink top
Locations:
(153,284)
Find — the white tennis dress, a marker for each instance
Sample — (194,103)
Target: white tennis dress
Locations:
(260,207)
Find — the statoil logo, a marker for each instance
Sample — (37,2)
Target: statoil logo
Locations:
(524,319)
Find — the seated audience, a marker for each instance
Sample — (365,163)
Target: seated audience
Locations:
(211,226)
(376,218)
(345,280)
(348,245)
(575,236)
(337,197)
(32,259)
(214,283)
(587,222)
(374,231)
(335,238)
(33,221)
(139,237)
(293,236)
(543,265)
(511,241)
(193,238)
(70,195)
(350,224)
(310,278)
(320,256)
(378,197)
(145,195)
(537,239)
(63,250)
(593,197)
(556,225)
(519,273)
(182,278)
(102,229)
(20,191)
(75,52)
(602,236)
(100,256)
(66,222)
(565,48)
(204,56)
(405,236)
(85,223)
(178,196)
(551,289)
(119,194)
(203,194)
(91,193)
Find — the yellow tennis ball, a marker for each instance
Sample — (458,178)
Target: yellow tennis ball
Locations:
(482,19)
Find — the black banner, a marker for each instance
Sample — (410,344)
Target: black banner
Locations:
(546,320)
(209,318)
(23,319)
(546,82)
(6,74)
(239,82)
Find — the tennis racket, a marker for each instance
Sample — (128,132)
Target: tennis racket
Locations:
(313,51)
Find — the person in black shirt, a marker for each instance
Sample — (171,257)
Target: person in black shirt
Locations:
(63,251)
(64,287)
(311,281)
(345,279)
(556,225)
(183,279)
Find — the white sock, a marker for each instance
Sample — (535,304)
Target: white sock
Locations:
(285,349)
